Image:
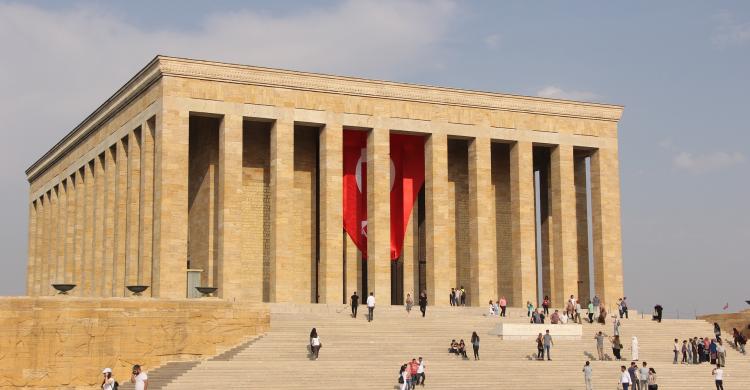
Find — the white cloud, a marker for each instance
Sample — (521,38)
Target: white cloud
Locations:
(728,31)
(708,162)
(555,92)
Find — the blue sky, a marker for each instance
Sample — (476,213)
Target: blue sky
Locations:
(680,68)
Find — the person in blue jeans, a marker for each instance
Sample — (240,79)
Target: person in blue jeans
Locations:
(548,343)
(625,378)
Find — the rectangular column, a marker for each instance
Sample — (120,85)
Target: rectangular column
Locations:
(62,222)
(88,253)
(523,226)
(146,204)
(121,217)
(605,205)
(170,202)
(98,241)
(409,255)
(283,276)
(483,258)
(46,246)
(110,180)
(79,235)
(330,269)
(132,264)
(54,241)
(563,202)
(233,276)
(439,277)
(39,245)
(352,268)
(378,216)
(30,266)
(582,227)
(70,226)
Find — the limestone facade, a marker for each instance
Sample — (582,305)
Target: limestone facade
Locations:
(236,171)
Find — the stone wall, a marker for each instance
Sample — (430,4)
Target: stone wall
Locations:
(65,342)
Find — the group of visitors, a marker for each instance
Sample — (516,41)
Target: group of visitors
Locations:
(622,307)
(543,345)
(422,303)
(700,350)
(498,308)
(572,313)
(635,378)
(137,377)
(412,374)
(458,296)
(354,303)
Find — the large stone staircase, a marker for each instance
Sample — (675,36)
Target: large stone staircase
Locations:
(361,355)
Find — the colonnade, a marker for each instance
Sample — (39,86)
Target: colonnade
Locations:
(122,217)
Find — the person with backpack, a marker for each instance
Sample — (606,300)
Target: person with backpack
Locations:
(108,382)
(402,377)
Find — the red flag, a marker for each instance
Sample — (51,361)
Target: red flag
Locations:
(407,177)
(355,187)
(726,306)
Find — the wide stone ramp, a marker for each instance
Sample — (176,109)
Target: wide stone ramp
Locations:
(361,355)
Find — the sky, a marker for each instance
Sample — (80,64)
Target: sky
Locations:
(680,68)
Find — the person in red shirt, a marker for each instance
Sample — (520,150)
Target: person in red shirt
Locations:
(413,367)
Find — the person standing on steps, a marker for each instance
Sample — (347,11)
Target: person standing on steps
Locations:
(421,371)
(108,383)
(676,350)
(423,302)
(475,344)
(652,385)
(588,375)
(540,347)
(503,304)
(453,296)
(633,372)
(634,348)
(409,303)
(402,377)
(354,301)
(545,305)
(370,306)
(643,374)
(463,296)
(139,378)
(315,343)
(616,347)
(600,345)
(625,380)
(413,369)
(718,374)
(590,309)
(529,309)
(616,326)
(548,343)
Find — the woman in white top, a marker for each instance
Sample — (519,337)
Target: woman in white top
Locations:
(634,348)
(314,343)
(404,382)
(625,380)
(108,383)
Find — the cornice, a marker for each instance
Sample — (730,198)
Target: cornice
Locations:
(253,75)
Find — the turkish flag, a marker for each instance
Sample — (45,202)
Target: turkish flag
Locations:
(407,177)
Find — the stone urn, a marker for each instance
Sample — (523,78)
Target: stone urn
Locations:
(206,291)
(63,288)
(137,289)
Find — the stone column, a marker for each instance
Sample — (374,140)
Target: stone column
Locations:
(605,205)
(133,214)
(121,215)
(483,258)
(233,276)
(62,221)
(70,226)
(54,242)
(88,254)
(39,245)
(110,177)
(563,209)
(352,268)
(79,236)
(31,264)
(172,127)
(409,257)
(283,276)
(330,268)
(98,241)
(523,226)
(378,216)
(582,227)
(439,279)
(46,256)
(146,203)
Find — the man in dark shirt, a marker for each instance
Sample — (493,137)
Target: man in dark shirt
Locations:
(355,303)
